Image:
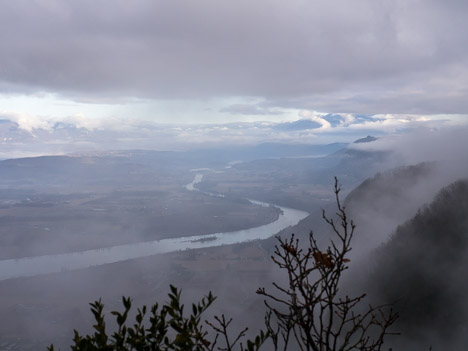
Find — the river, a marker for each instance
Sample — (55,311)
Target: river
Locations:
(37,265)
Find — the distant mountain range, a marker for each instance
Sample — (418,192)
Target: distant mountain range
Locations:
(302,124)
(36,137)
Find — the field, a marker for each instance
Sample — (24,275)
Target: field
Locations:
(41,310)
(74,204)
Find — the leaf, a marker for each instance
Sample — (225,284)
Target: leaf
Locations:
(323,259)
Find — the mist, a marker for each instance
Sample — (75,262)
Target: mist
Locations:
(69,204)
(149,143)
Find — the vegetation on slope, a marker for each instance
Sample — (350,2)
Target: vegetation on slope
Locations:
(308,312)
(423,269)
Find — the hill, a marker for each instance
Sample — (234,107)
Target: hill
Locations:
(383,202)
(423,269)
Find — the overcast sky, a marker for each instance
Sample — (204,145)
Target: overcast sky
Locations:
(218,61)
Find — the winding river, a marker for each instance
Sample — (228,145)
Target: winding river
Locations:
(37,265)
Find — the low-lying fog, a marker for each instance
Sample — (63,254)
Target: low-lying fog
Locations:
(83,201)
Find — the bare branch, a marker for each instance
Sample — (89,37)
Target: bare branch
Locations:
(311,306)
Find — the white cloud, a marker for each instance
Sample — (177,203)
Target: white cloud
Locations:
(315,117)
(348,118)
(126,133)
(423,144)
(27,122)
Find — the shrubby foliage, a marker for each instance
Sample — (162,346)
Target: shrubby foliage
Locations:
(166,328)
(309,313)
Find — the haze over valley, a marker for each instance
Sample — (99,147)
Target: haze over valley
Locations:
(54,205)
(150,144)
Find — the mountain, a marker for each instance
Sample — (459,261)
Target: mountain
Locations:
(65,173)
(387,199)
(139,166)
(367,139)
(278,150)
(423,270)
(302,124)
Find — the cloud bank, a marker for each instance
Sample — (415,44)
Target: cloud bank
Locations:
(362,56)
(26,135)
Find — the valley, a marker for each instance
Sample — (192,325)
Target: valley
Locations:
(148,196)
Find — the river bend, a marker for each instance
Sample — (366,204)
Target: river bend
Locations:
(37,265)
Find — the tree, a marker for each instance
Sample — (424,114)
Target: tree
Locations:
(168,329)
(310,313)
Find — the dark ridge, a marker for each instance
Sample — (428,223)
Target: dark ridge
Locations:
(367,139)
(423,269)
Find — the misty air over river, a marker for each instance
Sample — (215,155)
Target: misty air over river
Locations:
(31,266)
(99,223)
(152,145)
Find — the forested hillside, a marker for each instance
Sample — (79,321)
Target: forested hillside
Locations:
(423,270)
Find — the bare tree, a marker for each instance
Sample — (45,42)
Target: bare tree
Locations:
(311,313)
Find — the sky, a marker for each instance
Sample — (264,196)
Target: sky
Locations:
(115,62)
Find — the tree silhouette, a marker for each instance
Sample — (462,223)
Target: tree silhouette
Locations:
(310,313)
(166,328)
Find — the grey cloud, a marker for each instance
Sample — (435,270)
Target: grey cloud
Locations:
(363,56)
(249,109)
(425,143)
